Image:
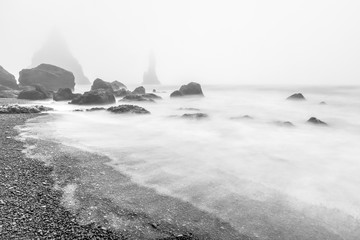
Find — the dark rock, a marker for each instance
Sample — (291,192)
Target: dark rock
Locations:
(151,96)
(16,109)
(176,93)
(296,96)
(195,115)
(49,76)
(95,109)
(38,93)
(101,84)
(284,124)
(64,94)
(128,109)
(99,96)
(150,76)
(316,121)
(7,79)
(136,98)
(139,90)
(154,90)
(116,85)
(122,92)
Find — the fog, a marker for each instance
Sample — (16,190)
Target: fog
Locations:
(224,42)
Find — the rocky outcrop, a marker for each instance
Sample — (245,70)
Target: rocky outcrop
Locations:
(284,124)
(55,51)
(139,90)
(128,109)
(195,115)
(296,96)
(38,93)
(101,84)
(116,85)
(136,98)
(151,96)
(122,92)
(191,89)
(49,76)
(314,120)
(65,94)
(7,79)
(99,96)
(150,77)
(16,109)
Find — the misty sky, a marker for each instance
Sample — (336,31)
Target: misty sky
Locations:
(241,42)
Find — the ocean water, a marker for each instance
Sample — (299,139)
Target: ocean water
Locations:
(224,162)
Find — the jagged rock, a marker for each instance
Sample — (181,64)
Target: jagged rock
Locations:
(316,121)
(49,76)
(101,84)
(136,98)
(7,79)
(122,92)
(64,94)
(189,89)
(139,90)
(296,96)
(38,93)
(16,109)
(150,76)
(116,85)
(195,115)
(151,96)
(128,109)
(56,52)
(99,96)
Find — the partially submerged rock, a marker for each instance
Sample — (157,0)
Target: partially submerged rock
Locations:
(101,84)
(191,89)
(64,94)
(316,121)
(242,117)
(99,96)
(296,96)
(195,115)
(7,79)
(322,103)
(136,98)
(49,76)
(95,109)
(190,109)
(122,92)
(284,124)
(39,93)
(139,90)
(17,109)
(151,96)
(128,109)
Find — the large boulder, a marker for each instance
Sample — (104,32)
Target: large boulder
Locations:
(38,93)
(7,79)
(101,84)
(116,85)
(191,89)
(99,96)
(296,96)
(49,76)
(128,109)
(139,90)
(64,94)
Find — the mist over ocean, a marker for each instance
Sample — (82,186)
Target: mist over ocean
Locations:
(227,164)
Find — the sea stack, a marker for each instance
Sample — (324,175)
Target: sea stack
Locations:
(150,77)
(56,52)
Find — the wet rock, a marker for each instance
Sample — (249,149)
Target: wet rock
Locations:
(139,90)
(99,96)
(7,79)
(136,98)
(116,85)
(195,115)
(64,94)
(49,76)
(128,109)
(314,120)
(176,93)
(151,96)
(188,90)
(17,109)
(95,109)
(38,93)
(122,92)
(296,96)
(284,124)
(101,84)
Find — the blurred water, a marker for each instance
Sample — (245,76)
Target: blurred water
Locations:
(209,161)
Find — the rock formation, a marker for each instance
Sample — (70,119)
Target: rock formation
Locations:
(116,85)
(16,109)
(139,90)
(64,94)
(55,51)
(195,115)
(101,84)
(38,93)
(136,98)
(99,96)
(150,77)
(316,121)
(7,80)
(49,76)
(128,109)
(187,90)
(296,96)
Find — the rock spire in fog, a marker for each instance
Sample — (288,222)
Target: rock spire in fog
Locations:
(56,52)
(150,76)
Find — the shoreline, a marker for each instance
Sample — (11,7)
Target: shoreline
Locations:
(62,198)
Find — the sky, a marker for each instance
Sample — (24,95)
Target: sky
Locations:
(311,42)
